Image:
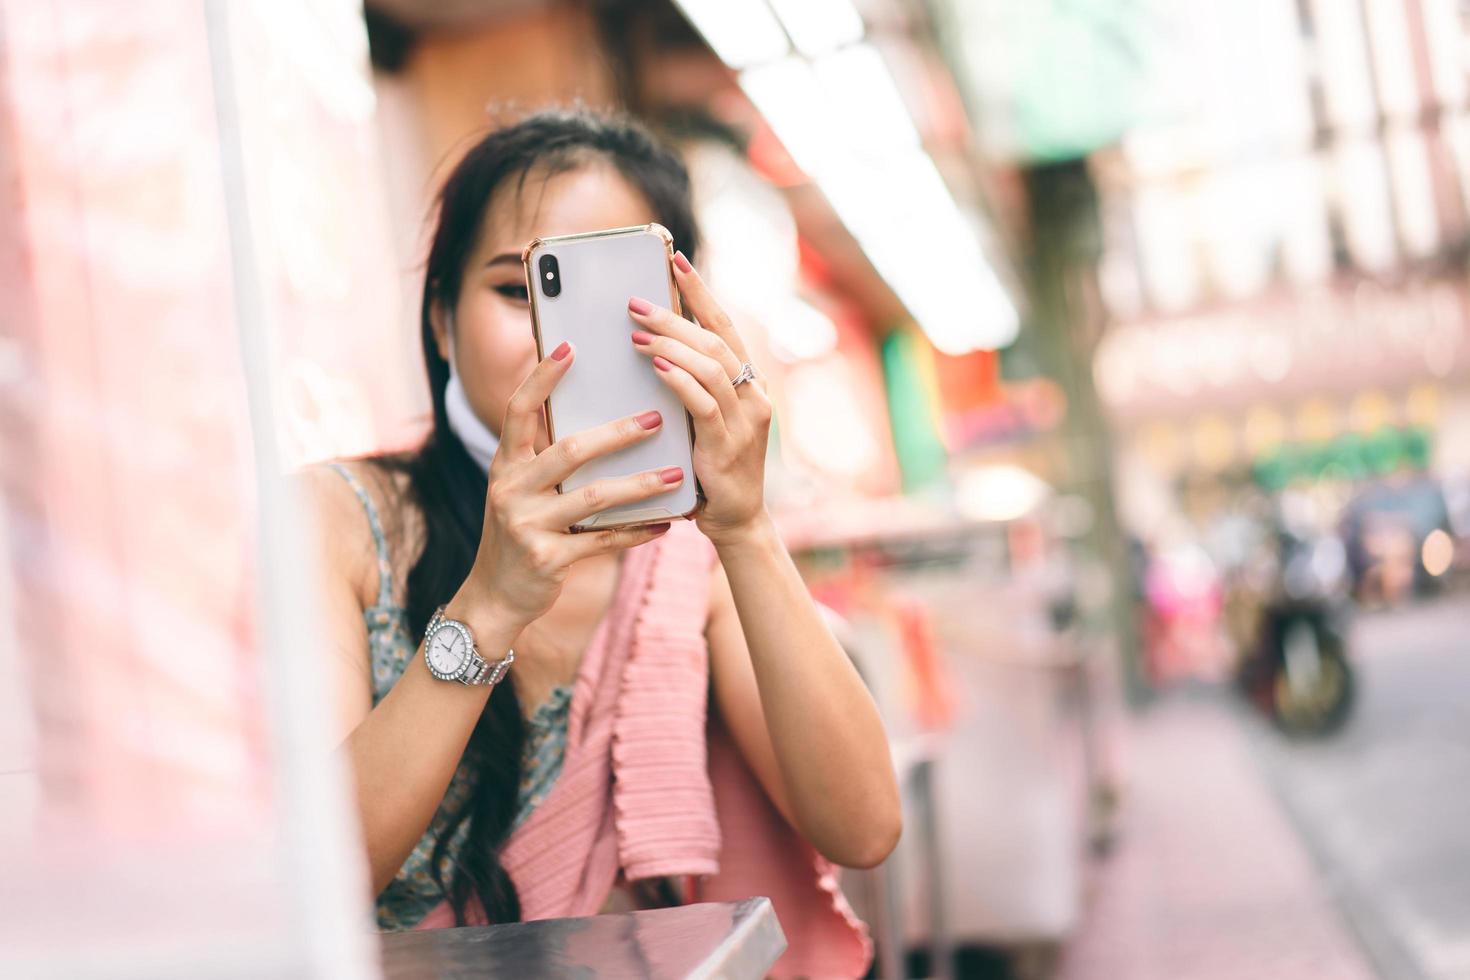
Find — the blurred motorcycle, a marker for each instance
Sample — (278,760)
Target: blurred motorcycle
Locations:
(1295,665)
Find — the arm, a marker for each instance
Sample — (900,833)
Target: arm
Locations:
(784,687)
(406,750)
(797,708)
(402,753)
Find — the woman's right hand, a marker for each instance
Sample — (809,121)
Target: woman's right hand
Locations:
(526,547)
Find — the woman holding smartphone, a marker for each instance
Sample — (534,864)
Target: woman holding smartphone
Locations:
(676,722)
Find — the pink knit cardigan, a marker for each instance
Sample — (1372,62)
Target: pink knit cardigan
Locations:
(650,787)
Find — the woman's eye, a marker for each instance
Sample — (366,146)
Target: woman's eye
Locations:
(513,291)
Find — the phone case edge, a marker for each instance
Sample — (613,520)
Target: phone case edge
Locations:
(662,233)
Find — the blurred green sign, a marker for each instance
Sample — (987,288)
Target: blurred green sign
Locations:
(1348,457)
(1051,79)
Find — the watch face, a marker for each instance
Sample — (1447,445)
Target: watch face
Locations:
(447,650)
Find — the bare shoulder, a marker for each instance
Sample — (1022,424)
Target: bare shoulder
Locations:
(341,526)
(347,571)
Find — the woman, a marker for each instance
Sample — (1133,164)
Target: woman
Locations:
(542,794)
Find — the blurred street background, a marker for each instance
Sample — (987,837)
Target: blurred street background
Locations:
(1120,352)
(1342,857)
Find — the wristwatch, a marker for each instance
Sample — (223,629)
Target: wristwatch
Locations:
(449,653)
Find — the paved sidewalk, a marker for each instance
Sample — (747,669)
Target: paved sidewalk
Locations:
(1208,879)
(1386,798)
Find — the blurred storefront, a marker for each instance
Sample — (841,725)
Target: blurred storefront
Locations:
(183,242)
(1277,300)
(1286,265)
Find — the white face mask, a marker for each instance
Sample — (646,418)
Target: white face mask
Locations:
(478,440)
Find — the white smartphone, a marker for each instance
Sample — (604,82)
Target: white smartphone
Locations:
(579,286)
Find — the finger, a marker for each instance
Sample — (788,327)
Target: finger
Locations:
(709,419)
(565,456)
(707,371)
(523,412)
(607,542)
(569,508)
(667,323)
(700,302)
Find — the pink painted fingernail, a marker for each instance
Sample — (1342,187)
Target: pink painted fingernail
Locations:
(562,350)
(650,420)
(671,474)
(662,364)
(640,306)
(659,528)
(641,338)
(682,262)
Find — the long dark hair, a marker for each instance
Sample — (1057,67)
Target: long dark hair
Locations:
(448,486)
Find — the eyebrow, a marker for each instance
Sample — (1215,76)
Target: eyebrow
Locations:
(503,258)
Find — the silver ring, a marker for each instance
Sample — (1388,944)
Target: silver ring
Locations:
(747,373)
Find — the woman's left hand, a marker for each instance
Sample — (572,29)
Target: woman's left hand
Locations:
(731,424)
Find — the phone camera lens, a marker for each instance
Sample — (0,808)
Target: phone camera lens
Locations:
(550,276)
